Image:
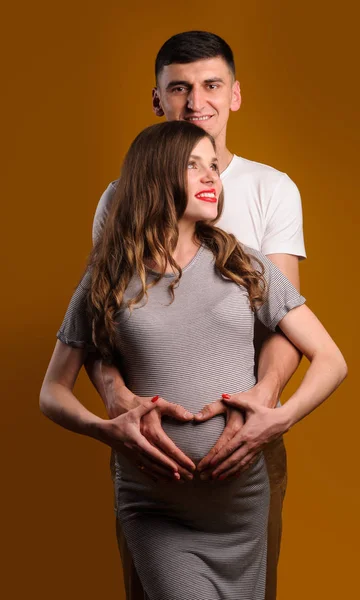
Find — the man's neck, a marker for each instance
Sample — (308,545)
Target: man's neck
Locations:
(224,157)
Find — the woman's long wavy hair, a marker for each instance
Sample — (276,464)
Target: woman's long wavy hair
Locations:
(142,228)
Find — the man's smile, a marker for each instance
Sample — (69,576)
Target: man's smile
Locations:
(193,119)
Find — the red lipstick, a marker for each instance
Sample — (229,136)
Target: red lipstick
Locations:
(207,195)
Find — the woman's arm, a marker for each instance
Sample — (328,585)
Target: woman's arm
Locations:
(57,401)
(326,371)
(59,404)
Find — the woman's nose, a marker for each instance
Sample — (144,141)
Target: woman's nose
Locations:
(209,175)
(207,178)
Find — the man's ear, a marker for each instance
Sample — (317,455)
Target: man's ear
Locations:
(156,103)
(236,97)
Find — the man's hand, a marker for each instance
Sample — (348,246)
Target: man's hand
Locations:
(234,423)
(262,425)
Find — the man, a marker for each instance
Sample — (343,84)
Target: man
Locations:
(195,81)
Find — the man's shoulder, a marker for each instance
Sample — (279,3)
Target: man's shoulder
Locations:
(107,196)
(257,179)
(240,167)
(102,208)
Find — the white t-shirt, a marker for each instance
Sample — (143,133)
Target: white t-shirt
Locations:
(262,208)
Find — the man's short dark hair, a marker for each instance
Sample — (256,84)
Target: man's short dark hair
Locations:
(190,46)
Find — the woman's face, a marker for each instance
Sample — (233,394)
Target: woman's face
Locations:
(204,184)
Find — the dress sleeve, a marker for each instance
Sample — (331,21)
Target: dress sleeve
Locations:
(75,329)
(281,295)
(102,210)
(284,222)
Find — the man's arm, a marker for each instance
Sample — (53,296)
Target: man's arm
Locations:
(110,386)
(278,359)
(289,265)
(326,371)
(283,243)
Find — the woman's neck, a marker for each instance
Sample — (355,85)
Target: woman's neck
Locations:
(187,245)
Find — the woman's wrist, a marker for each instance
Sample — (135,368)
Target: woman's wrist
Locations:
(120,401)
(95,427)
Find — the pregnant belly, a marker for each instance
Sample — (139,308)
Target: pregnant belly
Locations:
(194,439)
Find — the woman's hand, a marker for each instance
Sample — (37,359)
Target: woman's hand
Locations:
(147,444)
(151,429)
(234,424)
(262,425)
(250,426)
(124,430)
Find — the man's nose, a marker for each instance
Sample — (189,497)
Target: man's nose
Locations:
(196,100)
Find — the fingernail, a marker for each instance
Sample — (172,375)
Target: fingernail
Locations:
(226,396)
(187,414)
(155,398)
(199,415)
(221,477)
(176,475)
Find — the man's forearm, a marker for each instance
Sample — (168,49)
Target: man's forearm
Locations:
(110,385)
(278,361)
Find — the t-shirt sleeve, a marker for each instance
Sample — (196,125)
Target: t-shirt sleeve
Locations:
(284,222)
(75,329)
(102,210)
(281,296)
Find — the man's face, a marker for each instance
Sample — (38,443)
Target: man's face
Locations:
(202,92)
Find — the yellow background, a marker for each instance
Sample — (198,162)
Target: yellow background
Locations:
(77,79)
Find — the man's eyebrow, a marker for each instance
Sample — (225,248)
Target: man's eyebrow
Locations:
(177,82)
(214,80)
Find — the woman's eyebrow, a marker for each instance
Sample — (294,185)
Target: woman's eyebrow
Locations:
(200,158)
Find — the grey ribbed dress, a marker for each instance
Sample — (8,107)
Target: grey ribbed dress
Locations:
(199,540)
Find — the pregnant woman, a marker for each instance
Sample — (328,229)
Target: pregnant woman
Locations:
(173,299)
